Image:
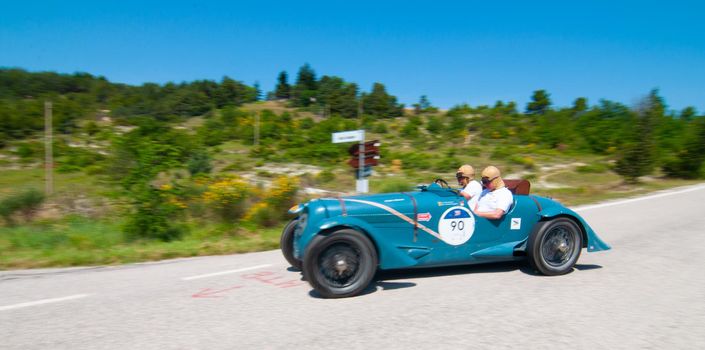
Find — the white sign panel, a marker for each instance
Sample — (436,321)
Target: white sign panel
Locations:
(349,136)
(456,225)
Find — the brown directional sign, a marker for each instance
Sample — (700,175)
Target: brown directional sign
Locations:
(371,147)
(368,161)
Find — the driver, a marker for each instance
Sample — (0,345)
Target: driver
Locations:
(496,199)
(471,189)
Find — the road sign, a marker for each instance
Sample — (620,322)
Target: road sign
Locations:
(370,147)
(370,161)
(349,136)
(362,159)
(366,172)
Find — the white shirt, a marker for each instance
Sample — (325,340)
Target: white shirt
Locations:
(473,188)
(498,199)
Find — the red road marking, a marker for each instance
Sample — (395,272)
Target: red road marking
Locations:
(210,293)
(269,277)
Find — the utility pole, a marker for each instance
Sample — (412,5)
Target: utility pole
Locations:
(256,129)
(48,152)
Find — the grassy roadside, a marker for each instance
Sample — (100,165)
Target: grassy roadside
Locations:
(78,241)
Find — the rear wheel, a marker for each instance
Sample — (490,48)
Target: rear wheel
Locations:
(286,243)
(341,264)
(554,246)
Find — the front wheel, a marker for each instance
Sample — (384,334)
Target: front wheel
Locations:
(286,243)
(554,246)
(341,264)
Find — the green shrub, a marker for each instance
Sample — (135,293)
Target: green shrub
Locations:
(525,161)
(325,176)
(25,203)
(380,128)
(448,163)
(472,151)
(29,150)
(413,160)
(503,152)
(155,212)
(199,163)
(393,185)
(593,168)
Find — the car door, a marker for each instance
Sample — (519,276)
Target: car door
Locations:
(457,231)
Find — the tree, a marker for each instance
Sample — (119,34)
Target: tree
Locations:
(304,92)
(337,96)
(688,113)
(540,102)
(282,90)
(424,105)
(639,151)
(138,157)
(580,105)
(434,125)
(380,104)
(258,91)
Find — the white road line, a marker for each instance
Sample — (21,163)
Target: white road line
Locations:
(225,272)
(648,197)
(43,301)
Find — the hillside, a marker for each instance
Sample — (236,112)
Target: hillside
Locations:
(154,171)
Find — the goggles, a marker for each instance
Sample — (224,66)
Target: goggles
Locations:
(486,180)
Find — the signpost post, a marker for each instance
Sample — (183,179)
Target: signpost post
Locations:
(361,185)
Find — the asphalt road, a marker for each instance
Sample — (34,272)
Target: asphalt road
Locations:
(646,293)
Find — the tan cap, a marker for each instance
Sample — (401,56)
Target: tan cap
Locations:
(467,171)
(492,172)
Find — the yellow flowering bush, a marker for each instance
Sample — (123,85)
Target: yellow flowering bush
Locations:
(282,195)
(228,196)
(262,214)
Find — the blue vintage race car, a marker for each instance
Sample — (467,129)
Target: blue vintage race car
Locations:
(339,243)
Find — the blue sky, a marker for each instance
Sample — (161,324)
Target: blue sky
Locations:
(452,51)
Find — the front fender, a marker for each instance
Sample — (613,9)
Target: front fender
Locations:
(391,255)
(593,242)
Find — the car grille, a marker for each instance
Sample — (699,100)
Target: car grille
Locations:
(301,225)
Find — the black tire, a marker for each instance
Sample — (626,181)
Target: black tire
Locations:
(286,243)
(554,246)
(341,264)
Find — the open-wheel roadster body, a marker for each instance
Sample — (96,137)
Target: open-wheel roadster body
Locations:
(340,243)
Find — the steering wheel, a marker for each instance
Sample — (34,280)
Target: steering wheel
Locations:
(442,183)
(445,185)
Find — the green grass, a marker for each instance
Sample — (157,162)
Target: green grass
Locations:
(76,241)
(598,192)
(65,184)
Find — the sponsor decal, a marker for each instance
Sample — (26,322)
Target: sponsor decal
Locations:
(424,216)
(441,204)
(394,200)
(516,224)
(456,226)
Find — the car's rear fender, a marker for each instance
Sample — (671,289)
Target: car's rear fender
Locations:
(390,255)
(591,241)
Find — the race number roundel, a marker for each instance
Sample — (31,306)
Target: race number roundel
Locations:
(456,226)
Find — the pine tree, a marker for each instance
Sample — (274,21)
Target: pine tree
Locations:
(304,92)
(540,102)
(380,104)
(283,89)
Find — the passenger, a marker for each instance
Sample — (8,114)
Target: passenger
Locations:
(471,188)
(496,199)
